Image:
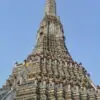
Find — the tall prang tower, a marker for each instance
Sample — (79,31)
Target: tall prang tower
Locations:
(49,72)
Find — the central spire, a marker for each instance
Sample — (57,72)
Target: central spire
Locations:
(50,8)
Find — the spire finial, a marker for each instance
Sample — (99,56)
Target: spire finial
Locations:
(50,8)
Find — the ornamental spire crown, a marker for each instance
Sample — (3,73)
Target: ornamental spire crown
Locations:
(50,7)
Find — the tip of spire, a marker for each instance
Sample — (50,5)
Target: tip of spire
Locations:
(50,8)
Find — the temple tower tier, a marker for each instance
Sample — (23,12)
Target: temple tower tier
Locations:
(49,72)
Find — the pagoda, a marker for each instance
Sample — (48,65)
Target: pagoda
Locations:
(49,72)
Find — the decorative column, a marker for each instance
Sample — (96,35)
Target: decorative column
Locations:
(68,93)
(51,91)
(44,66)
(92,94)
(76,94)
(84,94)
(98,94)
(60,95)
(42,91)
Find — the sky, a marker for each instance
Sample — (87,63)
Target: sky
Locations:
(19,22)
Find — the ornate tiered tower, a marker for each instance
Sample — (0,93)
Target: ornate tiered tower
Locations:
(49,72)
